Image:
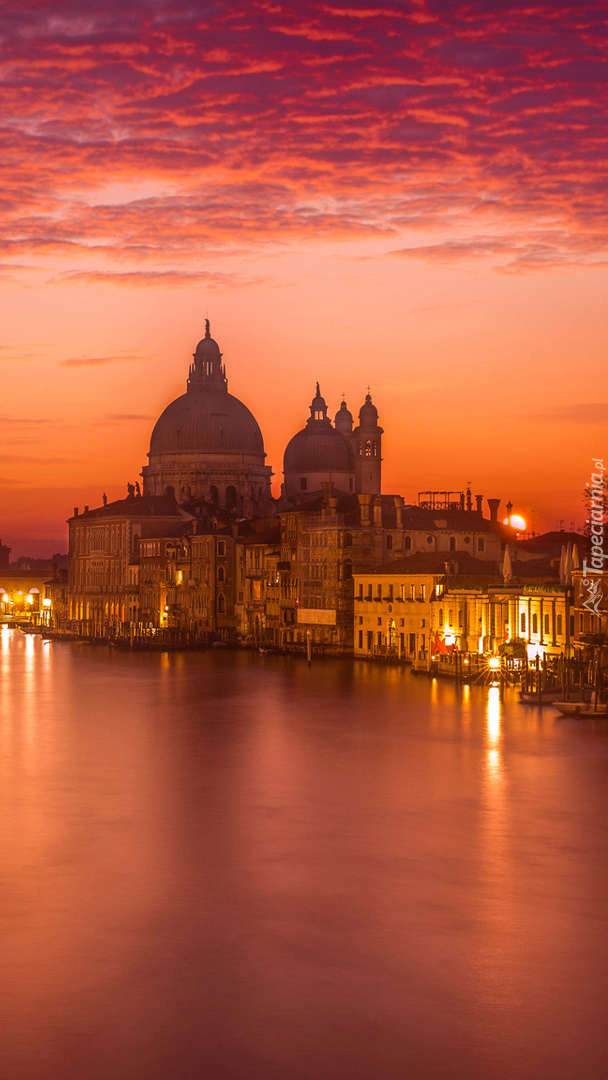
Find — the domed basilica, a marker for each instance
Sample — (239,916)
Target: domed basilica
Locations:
(207,447)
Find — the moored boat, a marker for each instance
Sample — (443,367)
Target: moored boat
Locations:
(583,709)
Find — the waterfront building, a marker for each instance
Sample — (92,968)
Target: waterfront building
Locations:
(427,605)
(258,587)
(104,556)
(322,542)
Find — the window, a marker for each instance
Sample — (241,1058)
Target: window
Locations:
(369,592)
(559,625)
(360,639)
(452,543)
(423,592)
(360,592)
(370,640)
(379,639)
(547,625)
(220,574)
(481,544)
(441,616)
(389,543)
(303,483)
(522,622)
(379,592)
(221,547)
(407,543)
(450,617)
(412,643)
(390,592)
(221,604)
(379,620)
(460,616)
(413,592)
(535,623)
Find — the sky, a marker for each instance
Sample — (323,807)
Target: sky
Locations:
(410,196)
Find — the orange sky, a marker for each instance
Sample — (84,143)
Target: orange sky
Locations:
(410,197)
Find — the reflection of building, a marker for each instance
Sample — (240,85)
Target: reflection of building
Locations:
(207,445)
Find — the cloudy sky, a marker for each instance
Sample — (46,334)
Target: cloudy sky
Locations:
(410,196)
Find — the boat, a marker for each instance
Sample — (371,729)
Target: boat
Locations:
(532,697)
(583,709)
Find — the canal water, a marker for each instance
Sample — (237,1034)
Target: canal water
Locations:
(236,867)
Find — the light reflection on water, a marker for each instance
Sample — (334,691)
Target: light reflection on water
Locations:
(236,866)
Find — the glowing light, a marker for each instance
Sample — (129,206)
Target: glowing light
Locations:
(46,602)
(516,522)
(30,599)
(494,663)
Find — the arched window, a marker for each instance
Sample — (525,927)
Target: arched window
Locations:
(221,604)
(450,617)
(407,543)
(220,574)
(368,448)
(452,543)
(522,622)
(170,491)
(535,623)
(348,570)
(389,543)
(230,497)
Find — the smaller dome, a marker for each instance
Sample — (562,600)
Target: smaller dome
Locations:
(368,413)
(318,451)
(343,415)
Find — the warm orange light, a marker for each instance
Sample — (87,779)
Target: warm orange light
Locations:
(494,663)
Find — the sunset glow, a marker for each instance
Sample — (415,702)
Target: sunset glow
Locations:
(410,196)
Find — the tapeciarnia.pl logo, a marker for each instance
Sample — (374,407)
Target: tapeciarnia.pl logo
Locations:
(593,569)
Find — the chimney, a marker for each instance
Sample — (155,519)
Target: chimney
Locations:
(462,500)
(493,504)
(364,501)
(479,500)
(86,509)
(75,511)
(469,500)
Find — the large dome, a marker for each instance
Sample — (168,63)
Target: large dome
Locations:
(321,450)
(207,421)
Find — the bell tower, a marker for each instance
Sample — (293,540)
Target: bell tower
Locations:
(368,450)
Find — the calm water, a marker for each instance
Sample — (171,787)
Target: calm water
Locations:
(233,866)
